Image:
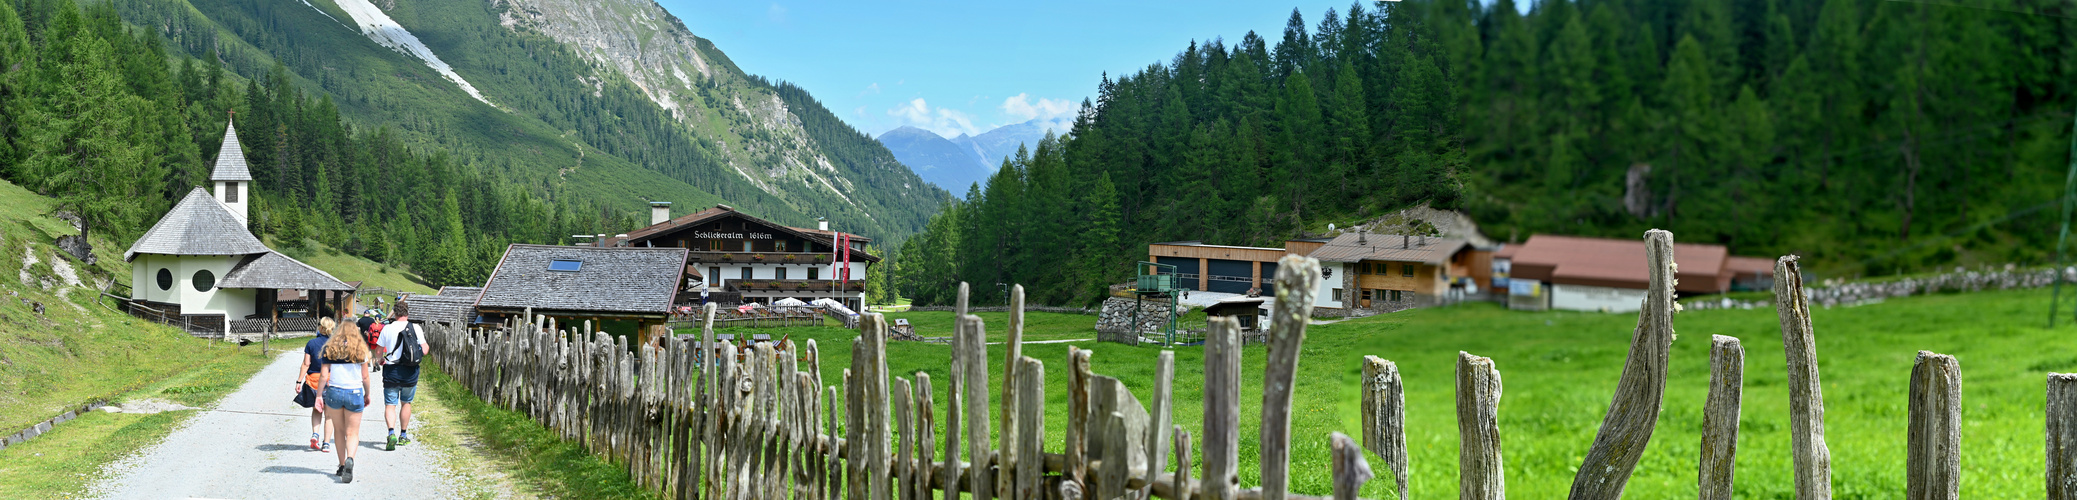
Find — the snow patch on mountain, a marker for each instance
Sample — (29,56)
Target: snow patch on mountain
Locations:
(383,30)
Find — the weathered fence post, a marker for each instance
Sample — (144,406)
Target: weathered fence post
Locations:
(1158,428)
(1006,455)
(1180,483)
(875,384)
(973,351)
(1720,418)
(1221,409)
(1350,469)
(1077,452)
(1933,466)
(1031,436)
(904,463)
(1480,476)
(1806,396)
(2062,436)
(927,445)
(1297,277)
(1634,411)
(1384,416)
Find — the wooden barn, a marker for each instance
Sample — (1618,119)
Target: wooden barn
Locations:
(623,291)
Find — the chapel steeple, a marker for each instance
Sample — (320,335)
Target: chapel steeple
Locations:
(230,175)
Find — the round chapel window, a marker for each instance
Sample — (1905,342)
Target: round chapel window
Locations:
(204,280)
(165,279)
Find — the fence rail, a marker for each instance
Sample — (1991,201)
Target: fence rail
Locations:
(770,426)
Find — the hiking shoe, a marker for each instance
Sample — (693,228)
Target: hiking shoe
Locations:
(313,444)
(327,446)
(346,471)
(392,443)
(403,439)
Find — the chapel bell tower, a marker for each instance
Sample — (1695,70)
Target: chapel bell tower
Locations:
(231,178)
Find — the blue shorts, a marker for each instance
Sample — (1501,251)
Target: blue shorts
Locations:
(391,395)
(353,400)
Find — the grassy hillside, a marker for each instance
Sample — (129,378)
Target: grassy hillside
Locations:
(80,347)
(1560,369)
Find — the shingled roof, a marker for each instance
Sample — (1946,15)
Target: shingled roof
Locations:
(469,292)
(199,225)
(1358,247)
(277,271)
(440,308)
(609,280)
(230,158)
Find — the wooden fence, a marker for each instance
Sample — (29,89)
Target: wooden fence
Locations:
(771,427)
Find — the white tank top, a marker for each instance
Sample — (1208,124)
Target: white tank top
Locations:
(345,375)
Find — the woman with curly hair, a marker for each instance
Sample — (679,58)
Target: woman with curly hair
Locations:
(345,379)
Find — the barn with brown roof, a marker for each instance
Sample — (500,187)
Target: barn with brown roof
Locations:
(1600,274)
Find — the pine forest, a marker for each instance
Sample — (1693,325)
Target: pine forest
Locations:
(1880,137)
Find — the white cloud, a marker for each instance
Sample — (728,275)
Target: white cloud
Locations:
(1022,107)
(1055,114)
(776,13)
(870,89)
(945,122)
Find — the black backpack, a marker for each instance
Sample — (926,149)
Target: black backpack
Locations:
(408,351)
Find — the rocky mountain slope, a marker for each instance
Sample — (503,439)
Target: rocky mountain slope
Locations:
(613,100)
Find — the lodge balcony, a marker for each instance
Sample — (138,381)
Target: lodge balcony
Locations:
(799,286)
(759,257)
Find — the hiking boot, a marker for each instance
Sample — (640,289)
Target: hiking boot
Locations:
(392,446)
(346,471)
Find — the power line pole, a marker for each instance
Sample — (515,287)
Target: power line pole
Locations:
(2062,242)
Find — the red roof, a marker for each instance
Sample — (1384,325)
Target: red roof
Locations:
(1615,263)
(1750,265)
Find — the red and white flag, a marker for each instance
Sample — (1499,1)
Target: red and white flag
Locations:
(844,246)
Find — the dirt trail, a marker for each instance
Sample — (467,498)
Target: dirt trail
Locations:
(255,444)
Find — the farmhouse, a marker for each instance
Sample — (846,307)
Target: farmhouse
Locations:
(200,268)
(1599,274)
(1374,272)
(625,291)
(1387,272)
(734,254)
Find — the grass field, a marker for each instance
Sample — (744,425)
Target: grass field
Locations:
(63,462)
(1560,369)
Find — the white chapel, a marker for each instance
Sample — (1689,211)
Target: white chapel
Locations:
(201,268)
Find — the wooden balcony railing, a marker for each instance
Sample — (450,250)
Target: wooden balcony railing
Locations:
(760,257)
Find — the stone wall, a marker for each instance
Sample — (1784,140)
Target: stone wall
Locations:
(1117,316)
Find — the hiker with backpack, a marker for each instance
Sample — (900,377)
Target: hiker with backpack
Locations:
(310,390)
(406,347)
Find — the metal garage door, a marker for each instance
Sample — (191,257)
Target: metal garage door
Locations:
(1230,276)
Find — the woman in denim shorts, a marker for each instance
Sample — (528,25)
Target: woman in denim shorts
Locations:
(346,389)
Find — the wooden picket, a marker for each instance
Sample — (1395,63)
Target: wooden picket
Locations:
(690,419)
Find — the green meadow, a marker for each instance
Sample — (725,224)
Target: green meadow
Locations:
(1559,371)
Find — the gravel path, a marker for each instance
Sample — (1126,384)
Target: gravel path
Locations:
(256,444)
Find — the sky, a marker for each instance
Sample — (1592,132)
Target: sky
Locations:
(968,66)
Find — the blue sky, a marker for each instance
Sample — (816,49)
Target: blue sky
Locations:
(953,67)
